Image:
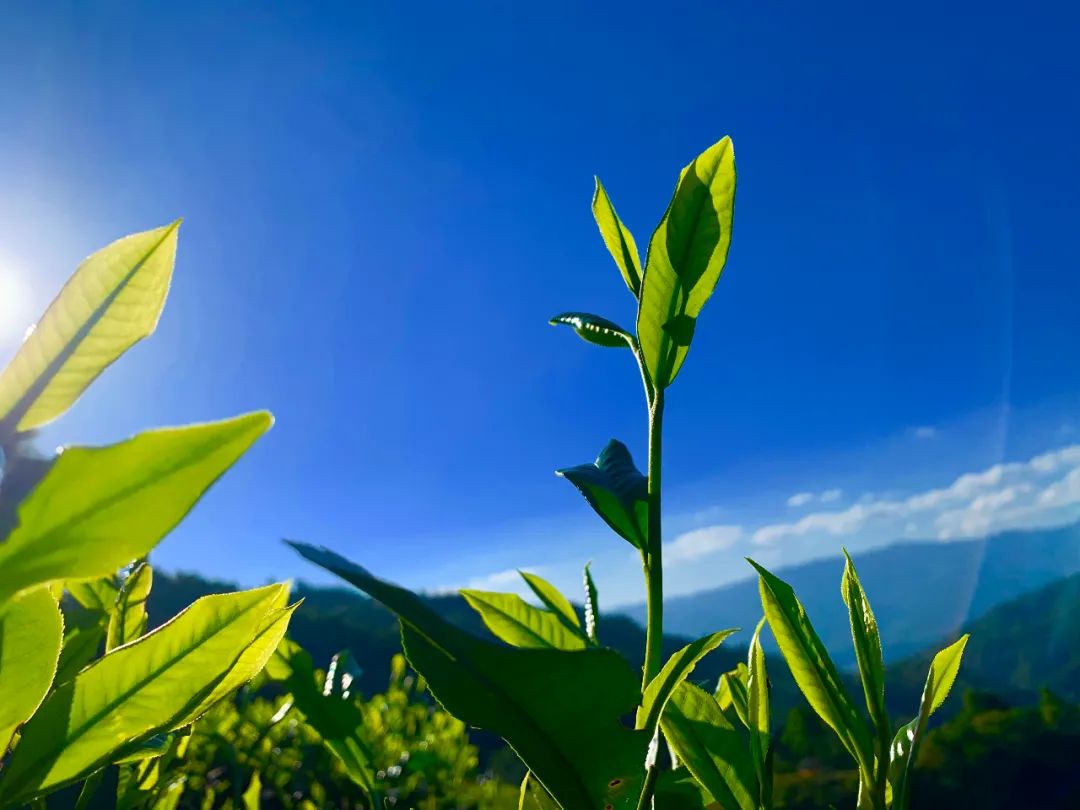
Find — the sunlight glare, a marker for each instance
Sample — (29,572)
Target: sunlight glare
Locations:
(14,301)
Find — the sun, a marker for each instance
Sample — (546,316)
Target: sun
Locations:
(14,300)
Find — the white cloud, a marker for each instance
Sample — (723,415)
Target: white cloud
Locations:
(924,432)
(1007,495)
(693,545)
(803,498)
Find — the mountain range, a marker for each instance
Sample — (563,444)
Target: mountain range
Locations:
(921,592)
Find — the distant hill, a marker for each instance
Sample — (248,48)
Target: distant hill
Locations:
(920,591)
(1016,649)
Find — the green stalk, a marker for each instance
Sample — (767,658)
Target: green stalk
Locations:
(653,556)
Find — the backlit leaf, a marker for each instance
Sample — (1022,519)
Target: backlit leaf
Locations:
(812,668)
(559,710)
(112,301)
(100,508)
(592,606)
(515,621)
(128,621)
(144,688)
(31,630)
(686,254)
(675,670)
(758,714)
(552,598)
(620,242)
(867,642)
(710,747)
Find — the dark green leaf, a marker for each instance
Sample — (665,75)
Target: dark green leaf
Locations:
(596,330)
(617,237)
(618,492)
(710,747)
(686,255)
(559,710)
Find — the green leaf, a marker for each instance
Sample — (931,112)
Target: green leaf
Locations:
(128,621)
(710,747)
(100,508)
(757,714)
(867,643)
(616,490)
(559,710)
(111,302)
(31,630)
(677,789)
(552,598)
(254,790)
(592,606)
(337,719)
(686,254)
(84,632)
(533,796)
(732,693)
(341,673)
(139,690)
(620,242)
(515,621)
(674,672)
(97,594)
(812,668)
(905,745)
(595,329)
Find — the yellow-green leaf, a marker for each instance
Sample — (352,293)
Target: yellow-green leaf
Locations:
(112,301)
(676,670)
(31,630)
(686,255)
(552,598)
(515,621)
(758,713)
(100,508)
(144,688)
(128,621)
(710,747)
(620,242)
(813,669)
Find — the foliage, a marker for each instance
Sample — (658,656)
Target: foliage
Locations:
(420,756)
(68,712)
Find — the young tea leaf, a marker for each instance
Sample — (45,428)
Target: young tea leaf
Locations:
(620,242)
(139,690)
(616,490)
(813,669)
(592,606)
(595,329)
(757,712)
(128,621)
(31,629)
(112,301)
(552,598)
(559,710)
(905,745)
(686,255)
(100,508)
(710,747)
(676,670)
(515,621)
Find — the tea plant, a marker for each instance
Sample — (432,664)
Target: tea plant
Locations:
(884,761)
(550,689)
(67,711)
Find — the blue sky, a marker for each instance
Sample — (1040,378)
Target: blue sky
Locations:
(384,203)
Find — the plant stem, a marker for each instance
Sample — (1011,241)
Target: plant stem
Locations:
(653,558)
(645,802)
